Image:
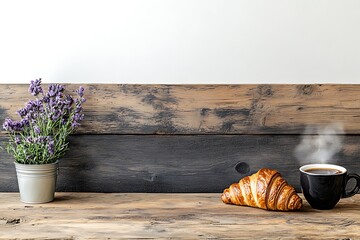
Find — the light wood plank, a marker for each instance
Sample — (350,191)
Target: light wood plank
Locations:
(206,109)
(191,216)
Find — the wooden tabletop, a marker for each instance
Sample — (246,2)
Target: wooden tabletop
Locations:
(151,215)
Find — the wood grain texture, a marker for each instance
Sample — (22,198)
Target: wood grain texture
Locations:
(165,216)
(206,109)
(181,163)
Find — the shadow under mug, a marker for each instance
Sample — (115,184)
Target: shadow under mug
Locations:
(323,190)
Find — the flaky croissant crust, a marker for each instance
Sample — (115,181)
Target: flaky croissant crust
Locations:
(265,189)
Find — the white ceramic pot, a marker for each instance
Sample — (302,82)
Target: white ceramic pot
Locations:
(37,182)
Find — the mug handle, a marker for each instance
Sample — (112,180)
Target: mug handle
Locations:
(355,189)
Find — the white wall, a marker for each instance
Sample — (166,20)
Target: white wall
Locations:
(184,41)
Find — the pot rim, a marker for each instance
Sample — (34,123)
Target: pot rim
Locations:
(23,164)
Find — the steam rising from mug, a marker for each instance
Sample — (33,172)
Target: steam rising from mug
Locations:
(320,143)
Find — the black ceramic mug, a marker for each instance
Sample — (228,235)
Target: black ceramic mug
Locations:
(324,184)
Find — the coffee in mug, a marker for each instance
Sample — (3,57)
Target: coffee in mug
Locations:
(324,184)
(325,171)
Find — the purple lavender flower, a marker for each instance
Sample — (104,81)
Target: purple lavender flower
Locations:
(12,126)
(80,92)
(32,110)
(40,139)
(7,124)
(34,106)
(35,87)
(78,117)
(52,102)
(24,122)
(55,113)
(51,147)
(22,112)
(37,130)
(75,124)
(46,99)
(69,100)
(68,106)
(78,109)
(55,89)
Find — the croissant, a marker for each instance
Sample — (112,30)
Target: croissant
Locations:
(265,189)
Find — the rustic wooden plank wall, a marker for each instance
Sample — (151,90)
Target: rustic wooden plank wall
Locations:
(190,138)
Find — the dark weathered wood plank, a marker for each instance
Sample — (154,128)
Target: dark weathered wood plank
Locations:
(164,216)
(206,109)
(184,163)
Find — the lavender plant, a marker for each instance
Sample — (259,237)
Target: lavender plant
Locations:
(40,136)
